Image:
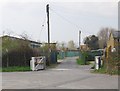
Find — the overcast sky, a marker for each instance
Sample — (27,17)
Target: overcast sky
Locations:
(66,18)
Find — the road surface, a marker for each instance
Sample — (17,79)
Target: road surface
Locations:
(67,75)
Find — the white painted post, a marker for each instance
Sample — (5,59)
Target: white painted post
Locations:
(32,63)
(96,62)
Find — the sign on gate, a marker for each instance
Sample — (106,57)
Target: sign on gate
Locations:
(37,63)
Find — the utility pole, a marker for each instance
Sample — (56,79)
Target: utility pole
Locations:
(79,38)
(79,43)
(47,10)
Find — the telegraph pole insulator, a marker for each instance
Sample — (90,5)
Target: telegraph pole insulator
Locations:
(47,8)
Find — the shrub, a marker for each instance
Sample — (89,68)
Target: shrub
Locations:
(80,61)
(16,53)
(113,63)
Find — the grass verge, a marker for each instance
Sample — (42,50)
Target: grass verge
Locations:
(0,69)
(16,69)
(22,68)
(101,70)
(104,71)
(82,62)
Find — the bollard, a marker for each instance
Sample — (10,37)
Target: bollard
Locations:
(97,62)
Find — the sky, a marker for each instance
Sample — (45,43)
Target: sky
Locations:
(67,18)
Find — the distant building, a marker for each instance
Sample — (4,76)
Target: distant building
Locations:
(114,41)
(52,46)
(32,44)
(84,47)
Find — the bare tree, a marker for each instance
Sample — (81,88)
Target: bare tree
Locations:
(25,36)
(7,32)
(61,46)
(103,36)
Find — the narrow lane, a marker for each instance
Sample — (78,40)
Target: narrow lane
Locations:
(67,75)
(69,63)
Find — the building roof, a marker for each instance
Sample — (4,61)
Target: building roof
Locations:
(51,43)
(21,39)
(116,34)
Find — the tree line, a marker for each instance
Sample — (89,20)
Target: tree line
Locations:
(98,41)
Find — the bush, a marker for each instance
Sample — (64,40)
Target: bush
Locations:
(113,63)
(80,61)
(17,57)
(91,55)
(16,52)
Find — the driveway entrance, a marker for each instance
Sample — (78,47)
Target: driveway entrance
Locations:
(67,75)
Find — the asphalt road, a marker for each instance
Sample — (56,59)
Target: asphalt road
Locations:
(67,75)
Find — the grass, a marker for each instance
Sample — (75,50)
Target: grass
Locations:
(80,61)
(16,69)
(0,69)
(59,57)
(103,71)
(22,68)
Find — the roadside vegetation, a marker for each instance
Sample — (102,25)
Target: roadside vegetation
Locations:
(22,68)
(59,57)
(83,58)
(111,64)
(80,61)
(111,60)
(104,71)
(16,69)
(17,53)
(87,57)
(101,71)
(0,69)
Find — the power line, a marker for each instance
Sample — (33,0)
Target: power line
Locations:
(64,18)
(79,28)
(42,26)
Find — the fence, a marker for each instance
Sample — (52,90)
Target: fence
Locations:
(53,57)
(69,53)
(72,53)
